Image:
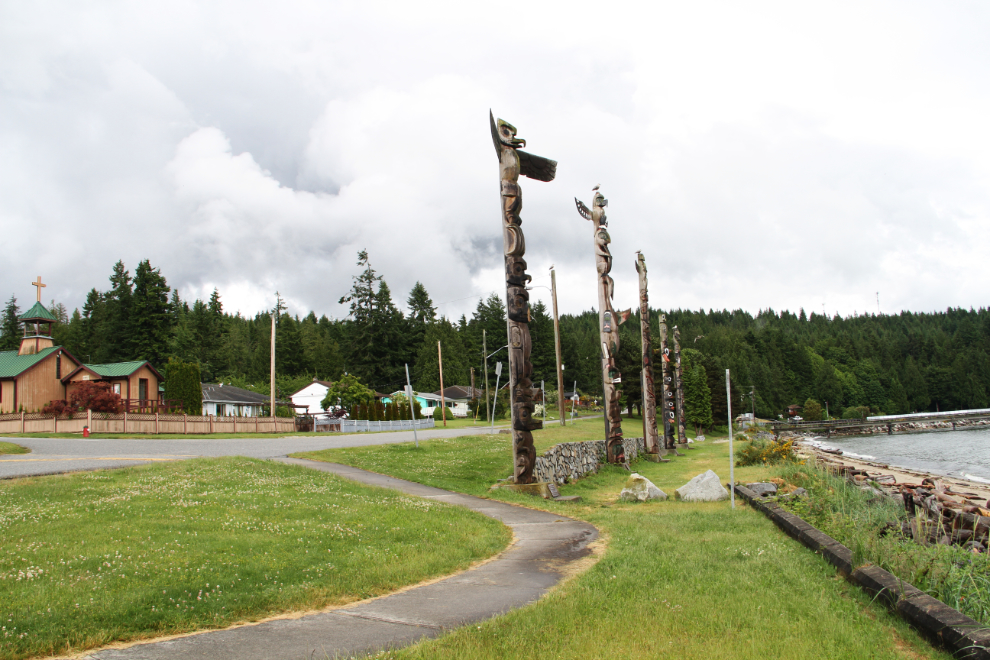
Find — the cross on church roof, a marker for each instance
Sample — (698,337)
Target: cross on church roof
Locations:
(40,286)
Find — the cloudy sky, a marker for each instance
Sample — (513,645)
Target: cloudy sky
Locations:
(760,154)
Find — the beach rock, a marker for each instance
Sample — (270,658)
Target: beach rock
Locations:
(640,489)
(763,488)
(705,487)
(700,438)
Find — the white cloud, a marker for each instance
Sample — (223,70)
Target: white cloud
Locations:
(770,154)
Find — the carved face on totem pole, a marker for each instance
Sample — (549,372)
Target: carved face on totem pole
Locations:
(512,163)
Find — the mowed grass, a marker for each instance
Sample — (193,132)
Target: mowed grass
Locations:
(92,558)
(677,580)
(11,448)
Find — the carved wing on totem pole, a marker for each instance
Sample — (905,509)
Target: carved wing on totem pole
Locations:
(582,209)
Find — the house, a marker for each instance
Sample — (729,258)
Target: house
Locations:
(40,372)
(222,400)
(311,397)
(456,397)
(427,401)
(137,382)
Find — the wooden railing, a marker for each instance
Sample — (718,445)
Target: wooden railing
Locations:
(152,405)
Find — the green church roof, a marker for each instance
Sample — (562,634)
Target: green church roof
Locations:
(12,364)
(36,313)
(116,369)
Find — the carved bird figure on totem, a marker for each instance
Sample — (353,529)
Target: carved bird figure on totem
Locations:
(534,167)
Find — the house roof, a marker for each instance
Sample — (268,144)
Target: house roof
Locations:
(12,364)
(324,383)
(220,393)
(460,392)
(116,369)
(37,313)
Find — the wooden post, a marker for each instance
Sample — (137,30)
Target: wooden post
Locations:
(22,418)
(255,423)
(55,423)
(89,419)
(211,423)
(156,423)
(556,341)
(443,405)
(484,355)
(271,399)
(649,410)
(125,420)
(185,423)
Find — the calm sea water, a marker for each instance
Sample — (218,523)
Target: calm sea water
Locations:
(962,453)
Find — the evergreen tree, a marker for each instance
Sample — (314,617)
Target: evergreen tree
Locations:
(10,328)
(426,372)
(150,317)
(118,342)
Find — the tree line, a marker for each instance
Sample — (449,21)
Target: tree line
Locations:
(884,363)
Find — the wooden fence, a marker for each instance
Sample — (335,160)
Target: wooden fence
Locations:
(143,423)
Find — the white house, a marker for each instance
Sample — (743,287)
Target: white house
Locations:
(456,397)
(427,401)
(229,401)
(312,397)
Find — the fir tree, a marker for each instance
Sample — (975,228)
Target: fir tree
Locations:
(10,328)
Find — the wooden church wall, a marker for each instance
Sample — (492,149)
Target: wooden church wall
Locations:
(38,385)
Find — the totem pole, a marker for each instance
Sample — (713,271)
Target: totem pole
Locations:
(608,324)
(679,387)
(512,163)
(649,403)
(669,413)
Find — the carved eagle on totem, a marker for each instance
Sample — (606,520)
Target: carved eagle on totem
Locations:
(534,167)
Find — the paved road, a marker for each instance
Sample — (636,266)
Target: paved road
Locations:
(545,546)
(57,455)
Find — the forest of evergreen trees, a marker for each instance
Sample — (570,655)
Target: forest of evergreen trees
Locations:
(889,363)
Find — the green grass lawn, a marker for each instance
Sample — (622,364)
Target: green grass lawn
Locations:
(11,448)
(91,558)
(677,580)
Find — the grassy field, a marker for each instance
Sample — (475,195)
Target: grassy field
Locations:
(11,448)
(92,558)
(677,580)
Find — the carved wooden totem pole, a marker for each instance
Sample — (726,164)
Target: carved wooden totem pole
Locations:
(649,403)
(512,163)
(668,407)
(679,387)
(608,324)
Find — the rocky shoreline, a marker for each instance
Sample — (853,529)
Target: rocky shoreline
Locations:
(913,427)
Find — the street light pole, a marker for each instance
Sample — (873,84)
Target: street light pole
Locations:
(556,341)
(484,351)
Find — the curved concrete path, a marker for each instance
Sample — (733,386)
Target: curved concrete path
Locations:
(545,544)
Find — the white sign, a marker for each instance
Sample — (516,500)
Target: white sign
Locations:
(498,369)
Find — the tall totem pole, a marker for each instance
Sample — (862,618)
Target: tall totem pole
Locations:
(608,324)
(512,163)
(667,381)
(649,403)
(679,386)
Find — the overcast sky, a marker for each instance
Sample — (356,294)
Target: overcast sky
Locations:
(760,154)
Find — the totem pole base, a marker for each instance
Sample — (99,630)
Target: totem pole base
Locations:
(656,458)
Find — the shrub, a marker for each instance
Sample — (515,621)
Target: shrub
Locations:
(59,407)
(96,396)
(856,412)
(438,413)
(812,410)
(182,383)
(765,452)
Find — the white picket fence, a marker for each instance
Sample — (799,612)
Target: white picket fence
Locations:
(363,425)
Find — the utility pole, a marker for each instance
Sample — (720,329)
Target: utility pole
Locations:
(484,354)
(443,404)
(752,398)
(271,400)
(556,340)
(473,397)
(412,410)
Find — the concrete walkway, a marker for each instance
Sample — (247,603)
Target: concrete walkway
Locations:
(544,547)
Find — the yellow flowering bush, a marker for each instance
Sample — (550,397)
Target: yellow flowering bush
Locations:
(764,452)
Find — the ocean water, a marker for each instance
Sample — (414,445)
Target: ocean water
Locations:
(964,453)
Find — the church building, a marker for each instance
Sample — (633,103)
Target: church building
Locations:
(40,372)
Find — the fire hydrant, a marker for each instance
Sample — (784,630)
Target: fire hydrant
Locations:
(85,431)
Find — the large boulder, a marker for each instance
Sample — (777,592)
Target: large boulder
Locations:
(763,488)
(640,489)
(703,488)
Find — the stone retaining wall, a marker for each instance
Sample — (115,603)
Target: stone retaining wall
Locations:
(908,427)
(571,460)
